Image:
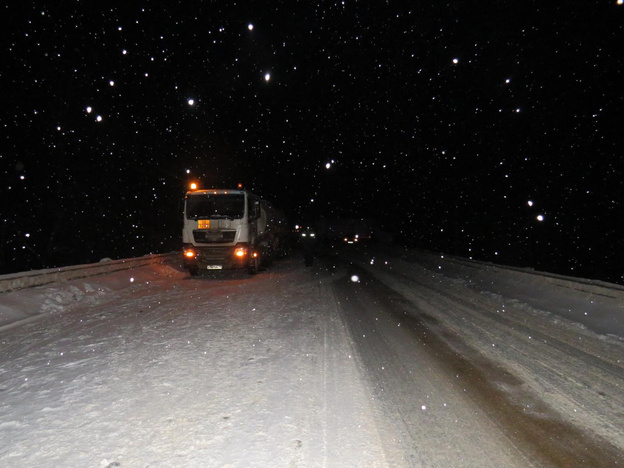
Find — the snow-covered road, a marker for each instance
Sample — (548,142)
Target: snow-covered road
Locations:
(548,385)
(405,366)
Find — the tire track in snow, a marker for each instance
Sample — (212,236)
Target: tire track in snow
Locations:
(539,429)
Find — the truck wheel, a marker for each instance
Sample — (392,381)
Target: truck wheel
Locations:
(254,266)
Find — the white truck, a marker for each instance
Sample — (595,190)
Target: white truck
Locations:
(231,228)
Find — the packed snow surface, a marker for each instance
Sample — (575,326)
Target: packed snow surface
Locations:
(149,367)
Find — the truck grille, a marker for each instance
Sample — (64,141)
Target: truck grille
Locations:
(207,237)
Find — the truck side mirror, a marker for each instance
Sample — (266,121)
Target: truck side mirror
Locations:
(255,210)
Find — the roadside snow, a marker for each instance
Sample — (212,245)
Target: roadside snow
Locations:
(29,304)
(591,305)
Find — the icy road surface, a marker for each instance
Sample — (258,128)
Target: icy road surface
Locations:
(398,366)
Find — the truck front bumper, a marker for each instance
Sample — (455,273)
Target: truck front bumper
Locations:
(216,257)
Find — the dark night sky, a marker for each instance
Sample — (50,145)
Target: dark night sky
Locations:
(442,119)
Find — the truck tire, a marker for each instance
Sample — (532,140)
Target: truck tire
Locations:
(254,266)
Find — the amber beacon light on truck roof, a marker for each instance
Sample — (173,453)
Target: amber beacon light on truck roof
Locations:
(193,186)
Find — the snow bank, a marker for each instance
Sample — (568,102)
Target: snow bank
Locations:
(27,279)
(33,295)
(595,305)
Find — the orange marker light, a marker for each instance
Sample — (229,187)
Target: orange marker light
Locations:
(193,186)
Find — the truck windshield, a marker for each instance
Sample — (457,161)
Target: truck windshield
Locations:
(211,206)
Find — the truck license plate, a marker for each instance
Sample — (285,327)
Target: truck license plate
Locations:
(214,267)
